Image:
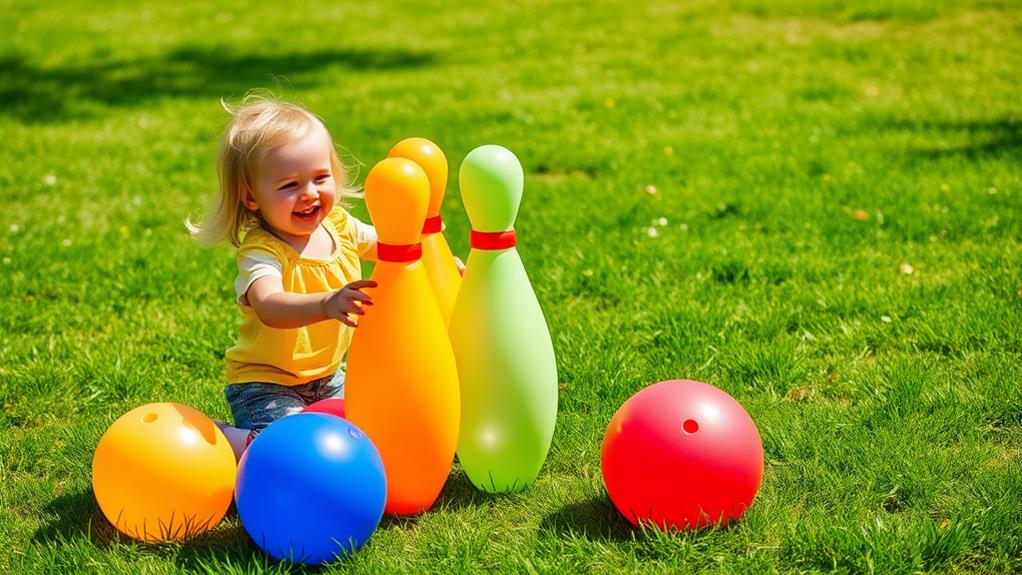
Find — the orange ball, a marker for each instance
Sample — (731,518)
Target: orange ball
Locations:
(162,472)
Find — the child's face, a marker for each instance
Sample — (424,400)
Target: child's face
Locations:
(295,187)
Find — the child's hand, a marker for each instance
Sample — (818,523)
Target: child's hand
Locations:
(348,300)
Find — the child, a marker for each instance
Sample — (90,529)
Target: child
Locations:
(299,277)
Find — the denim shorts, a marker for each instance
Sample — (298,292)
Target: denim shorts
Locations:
(255,405)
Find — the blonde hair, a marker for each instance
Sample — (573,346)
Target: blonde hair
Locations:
(259,124)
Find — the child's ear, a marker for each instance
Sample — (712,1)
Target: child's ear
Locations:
(248,200)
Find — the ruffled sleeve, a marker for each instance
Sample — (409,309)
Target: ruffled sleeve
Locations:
(360,234)
(256,259)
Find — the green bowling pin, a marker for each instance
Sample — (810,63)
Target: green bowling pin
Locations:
(501,343)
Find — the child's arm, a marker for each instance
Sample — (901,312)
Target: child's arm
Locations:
(285,310)
(365,239)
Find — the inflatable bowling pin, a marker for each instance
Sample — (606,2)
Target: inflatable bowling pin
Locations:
(505,357)
(402,382)
(436,254)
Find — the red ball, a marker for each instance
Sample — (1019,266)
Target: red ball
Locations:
(682,454)
(331,405)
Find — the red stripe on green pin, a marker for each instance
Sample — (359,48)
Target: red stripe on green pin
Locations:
(506,365)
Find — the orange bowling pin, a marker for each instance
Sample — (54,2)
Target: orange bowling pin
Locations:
(436,254)
(402,381)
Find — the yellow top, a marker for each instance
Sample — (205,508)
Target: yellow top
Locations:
(297,355)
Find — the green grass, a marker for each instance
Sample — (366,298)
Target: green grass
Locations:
(801,155)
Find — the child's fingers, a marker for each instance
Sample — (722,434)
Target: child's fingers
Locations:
(359,296)
(347,321)
(357,285)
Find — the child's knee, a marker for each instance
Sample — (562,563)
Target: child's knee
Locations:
(257,405)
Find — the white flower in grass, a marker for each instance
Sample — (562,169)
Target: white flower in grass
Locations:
(885,318)
(49,179)
(66,242)
(991,190)
(662,221)
(652,232)
(14,228)
(651,190)
(906,268)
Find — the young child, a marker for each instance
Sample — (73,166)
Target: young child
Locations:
(299,276)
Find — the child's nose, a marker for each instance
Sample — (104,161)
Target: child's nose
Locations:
(309,190)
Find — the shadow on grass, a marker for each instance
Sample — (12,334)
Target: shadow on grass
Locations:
(969,139)
(595,519)
(77,515)
(43,94)
(458,493)
(222,546)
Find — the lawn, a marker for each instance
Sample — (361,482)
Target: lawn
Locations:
(816,207)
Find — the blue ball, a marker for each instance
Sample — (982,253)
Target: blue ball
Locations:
(310,487)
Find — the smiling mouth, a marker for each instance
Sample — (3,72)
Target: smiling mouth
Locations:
(307,214)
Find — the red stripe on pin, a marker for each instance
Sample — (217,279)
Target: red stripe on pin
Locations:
(398,253)
(433,225)
(492,240)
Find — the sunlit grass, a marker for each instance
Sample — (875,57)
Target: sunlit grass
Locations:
(812,205)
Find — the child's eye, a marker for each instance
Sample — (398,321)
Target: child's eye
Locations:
(287,186)
(322,178)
